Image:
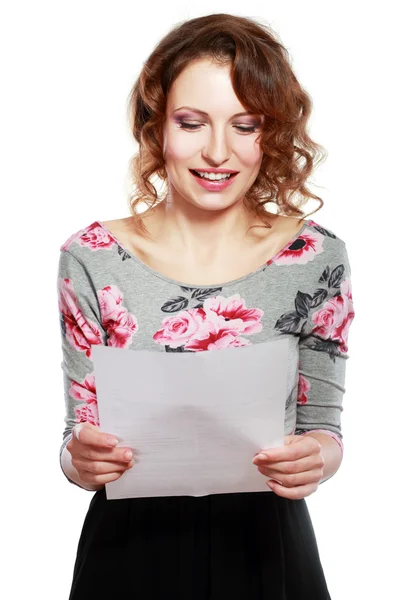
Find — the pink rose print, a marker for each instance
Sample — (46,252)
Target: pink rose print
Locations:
(217,340)
(86,392)
(333,320)
(182,327)
(304,249)
(241,319)
(96,237)
(93,237)
(88,413)
(303,388)
(80,331)
(214,325)
(119,324)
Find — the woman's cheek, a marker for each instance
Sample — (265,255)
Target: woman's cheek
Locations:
(181,146)
(249,154)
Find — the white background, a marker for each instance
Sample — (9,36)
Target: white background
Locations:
(67,68)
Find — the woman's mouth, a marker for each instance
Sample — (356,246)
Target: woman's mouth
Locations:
(213,184)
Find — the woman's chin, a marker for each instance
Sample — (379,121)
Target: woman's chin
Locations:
(213,202)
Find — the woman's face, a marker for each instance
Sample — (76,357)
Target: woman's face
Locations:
(216,138)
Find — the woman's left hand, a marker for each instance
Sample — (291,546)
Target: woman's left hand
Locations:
(297,466)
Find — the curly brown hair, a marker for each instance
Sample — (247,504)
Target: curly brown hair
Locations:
(264,82)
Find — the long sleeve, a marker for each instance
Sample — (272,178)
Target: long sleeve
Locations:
(80,323)
(323,349)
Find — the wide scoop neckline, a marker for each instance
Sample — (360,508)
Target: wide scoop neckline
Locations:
(155,273)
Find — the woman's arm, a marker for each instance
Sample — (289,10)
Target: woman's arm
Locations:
(81,328)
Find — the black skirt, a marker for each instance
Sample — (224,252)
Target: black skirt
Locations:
(244,546)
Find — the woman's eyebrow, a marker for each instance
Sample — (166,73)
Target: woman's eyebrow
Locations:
(202,112)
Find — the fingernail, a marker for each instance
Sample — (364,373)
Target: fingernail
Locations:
(128,455)
(112,441)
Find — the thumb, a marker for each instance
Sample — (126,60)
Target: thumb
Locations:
(76,430)
(292,439)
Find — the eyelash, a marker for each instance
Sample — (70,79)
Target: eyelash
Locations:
(191,126)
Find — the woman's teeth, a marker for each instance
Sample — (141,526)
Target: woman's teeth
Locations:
(214,176)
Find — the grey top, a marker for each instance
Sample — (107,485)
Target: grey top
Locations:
(108,296)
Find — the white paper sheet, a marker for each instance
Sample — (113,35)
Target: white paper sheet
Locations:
(195,419)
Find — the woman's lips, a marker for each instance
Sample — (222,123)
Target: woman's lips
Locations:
(215,186)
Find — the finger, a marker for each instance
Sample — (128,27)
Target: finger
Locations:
(296,493)
(86,433)
(102,467)
(96,479)
(291,452)
(122,455)
(293,466)
(294,479)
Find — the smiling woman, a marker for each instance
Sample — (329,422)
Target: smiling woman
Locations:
(232,93)
(221,118)
(196,140)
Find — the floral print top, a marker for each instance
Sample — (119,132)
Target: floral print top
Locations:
(108,296)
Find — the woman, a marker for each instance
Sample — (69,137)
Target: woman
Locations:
(221,118)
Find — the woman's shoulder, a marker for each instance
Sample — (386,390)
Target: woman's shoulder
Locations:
(332,245)
(101,246)
(321,250)
(324,230)
(295,226)
(95,237)
(309,241)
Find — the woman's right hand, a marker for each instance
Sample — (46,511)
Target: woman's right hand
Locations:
(96,462)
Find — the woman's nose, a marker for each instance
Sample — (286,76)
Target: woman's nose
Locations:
(217,150)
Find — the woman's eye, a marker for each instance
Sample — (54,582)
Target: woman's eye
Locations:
(192,126)
(184,125)
(247,129)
